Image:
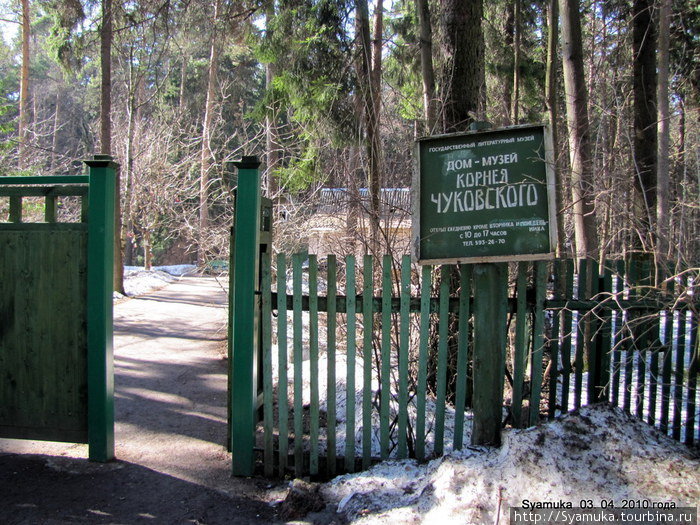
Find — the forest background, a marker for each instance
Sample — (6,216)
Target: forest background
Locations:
(333,93)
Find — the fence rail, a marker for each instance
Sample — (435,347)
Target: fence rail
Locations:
(374,360)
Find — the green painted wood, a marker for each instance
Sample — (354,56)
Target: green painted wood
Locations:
(350,375)
(538,340)
(666,365)
(282,359)
(490,297)
(592,340)
(331,326)
(643,340)
(631,277)
(50,209)
(566,329)
(44,227)
(520,355)
(244,317)
(268,416)
(679,370)
(100,278)
(443,326)
(404,330)
(43,342)
(421,386)
(385,396)
(16,209)
(694,368)
(617,334)
(297,353)
(49,179)
(368,322)
(465,275)
(583,267)
(43,191)
(605,345)
(313,364)
(557,271)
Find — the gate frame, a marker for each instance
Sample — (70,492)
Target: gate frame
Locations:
(100,270)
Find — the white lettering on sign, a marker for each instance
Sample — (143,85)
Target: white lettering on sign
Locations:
(459,164)
(495,160)
(482,178)
(512,196)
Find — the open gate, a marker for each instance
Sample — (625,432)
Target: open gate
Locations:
(56,312)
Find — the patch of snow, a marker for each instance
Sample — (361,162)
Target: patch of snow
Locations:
(138,281)
(597,453)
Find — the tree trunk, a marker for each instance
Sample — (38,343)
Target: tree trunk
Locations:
(463,69)
(663,210)
(106,133)
(550,89)
(129,197)
(56,128)
(371,63)
(24,87)
(272,154)
(426,64)
(645,138)
(579,133)
(207,154)
(514,111)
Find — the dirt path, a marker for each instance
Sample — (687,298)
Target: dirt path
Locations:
(170,402)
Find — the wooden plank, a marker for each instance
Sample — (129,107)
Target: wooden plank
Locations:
(490,299)
(350,377)
(557,267)
(566,332)
(45,179)
(666,366)
(617,333)
(421,385)
(693,369)
(282,373)
(520,354)
(50,209)
(443,325)
(538,340)
(43,191)
(368,322)
(268,419)
(297,274)
(605,345)
(331,326)
(642,339)
(580,336)
(631,277)
(385,397)
(16,209)
(313,364)
(42,329)
(465,275)
(43,227)
(402,446)
(592,338)
(679,369)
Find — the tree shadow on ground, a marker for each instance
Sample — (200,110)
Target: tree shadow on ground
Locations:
(47,489)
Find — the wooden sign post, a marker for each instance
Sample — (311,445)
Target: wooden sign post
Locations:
(485,197)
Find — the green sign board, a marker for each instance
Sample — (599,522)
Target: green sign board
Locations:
(484,196)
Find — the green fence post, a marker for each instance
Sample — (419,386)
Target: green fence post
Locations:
(99,308)
(490,300)
(244,334)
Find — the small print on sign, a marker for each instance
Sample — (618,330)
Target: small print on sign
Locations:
(484,196)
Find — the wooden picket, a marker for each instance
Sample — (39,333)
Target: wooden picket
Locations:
(410,395)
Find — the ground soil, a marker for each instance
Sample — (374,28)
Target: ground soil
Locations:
(170,403)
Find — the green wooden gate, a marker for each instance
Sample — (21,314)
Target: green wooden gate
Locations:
(354,378)
(56,278)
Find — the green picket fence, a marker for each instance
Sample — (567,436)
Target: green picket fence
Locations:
(373,360)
